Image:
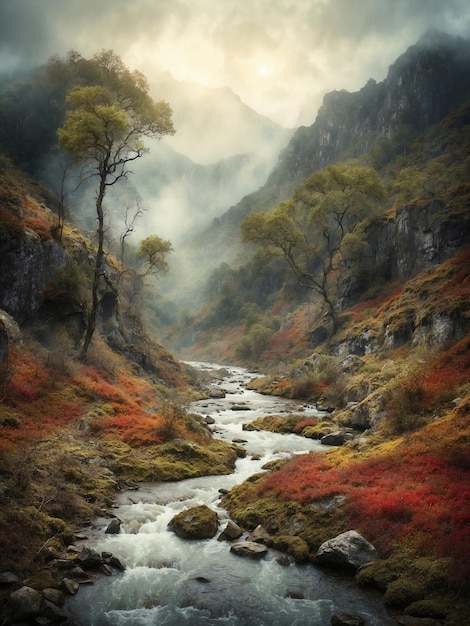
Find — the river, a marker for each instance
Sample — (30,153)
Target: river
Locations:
(174,582)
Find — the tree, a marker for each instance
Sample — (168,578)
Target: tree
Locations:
(153,251)
(310,229)
(103,129)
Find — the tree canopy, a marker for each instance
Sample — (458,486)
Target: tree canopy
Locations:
(153,251)
(311,230)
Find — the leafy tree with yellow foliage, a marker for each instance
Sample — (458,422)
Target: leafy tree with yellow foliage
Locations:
(103,129)
(313,230)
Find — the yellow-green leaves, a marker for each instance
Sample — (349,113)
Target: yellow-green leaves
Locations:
(153,250)
(93,124)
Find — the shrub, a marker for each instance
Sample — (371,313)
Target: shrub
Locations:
(405,405)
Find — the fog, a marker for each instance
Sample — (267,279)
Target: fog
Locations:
(279,56)
(240,76)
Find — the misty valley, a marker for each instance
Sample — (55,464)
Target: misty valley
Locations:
(234,357)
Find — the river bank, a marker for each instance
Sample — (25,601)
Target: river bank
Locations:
(172,581)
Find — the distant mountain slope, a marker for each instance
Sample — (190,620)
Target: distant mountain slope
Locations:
(421,87)
(213,124)
(222,150)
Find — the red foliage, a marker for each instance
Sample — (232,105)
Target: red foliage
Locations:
(134,428)
(410,492)
(304,424)
(445,373)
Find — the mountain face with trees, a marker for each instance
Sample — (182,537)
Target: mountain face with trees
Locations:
(351,292)
(378,124)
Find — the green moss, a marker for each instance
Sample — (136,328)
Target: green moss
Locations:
(295,546)
(431,607)
(44,579)
(403,591)
(274,423)
(198,522)
(175,460)
(378,574)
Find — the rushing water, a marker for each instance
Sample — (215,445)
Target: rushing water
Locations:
(175,582)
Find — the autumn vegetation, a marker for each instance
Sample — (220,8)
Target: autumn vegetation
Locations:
(72,432)
(404,482)
(77,425)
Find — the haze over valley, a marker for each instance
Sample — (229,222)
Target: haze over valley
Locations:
(235,312)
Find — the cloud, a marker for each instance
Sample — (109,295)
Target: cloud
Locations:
(306,47)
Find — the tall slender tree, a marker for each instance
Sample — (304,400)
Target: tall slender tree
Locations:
(103,129)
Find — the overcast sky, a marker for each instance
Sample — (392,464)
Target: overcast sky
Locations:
(279,56)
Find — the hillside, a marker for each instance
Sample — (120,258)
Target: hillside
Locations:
(74,432)
(395,371)
(381,120)
(350,292)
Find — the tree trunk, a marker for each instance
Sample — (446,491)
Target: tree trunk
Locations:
(98,269)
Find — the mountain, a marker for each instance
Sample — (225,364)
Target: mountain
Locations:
(388,362)
(381,119)
(221,151)
(213,124)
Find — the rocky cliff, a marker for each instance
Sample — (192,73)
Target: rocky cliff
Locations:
(27,266)
(420,89)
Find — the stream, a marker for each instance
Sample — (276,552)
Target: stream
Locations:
(175,582)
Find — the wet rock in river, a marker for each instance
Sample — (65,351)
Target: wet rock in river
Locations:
(346,619)
(89,559)
(249,549)
(114,527)
(199,522)
(231,531)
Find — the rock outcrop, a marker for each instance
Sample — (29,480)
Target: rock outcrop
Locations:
(349,549)
(27,267)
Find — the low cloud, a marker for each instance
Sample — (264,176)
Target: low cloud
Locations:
(279,56)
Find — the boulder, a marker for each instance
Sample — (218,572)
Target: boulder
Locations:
(346,619)
(199,522)
(335,438)
(216,393)
(8,578)
(24,604)
(69,586)
(231,531)
(249,549)
(52,612)
(89,559)
(114,527)
(113,561)
(348,549)
(261,535)
(53,595)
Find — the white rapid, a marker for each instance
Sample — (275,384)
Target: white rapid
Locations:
(175,582)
